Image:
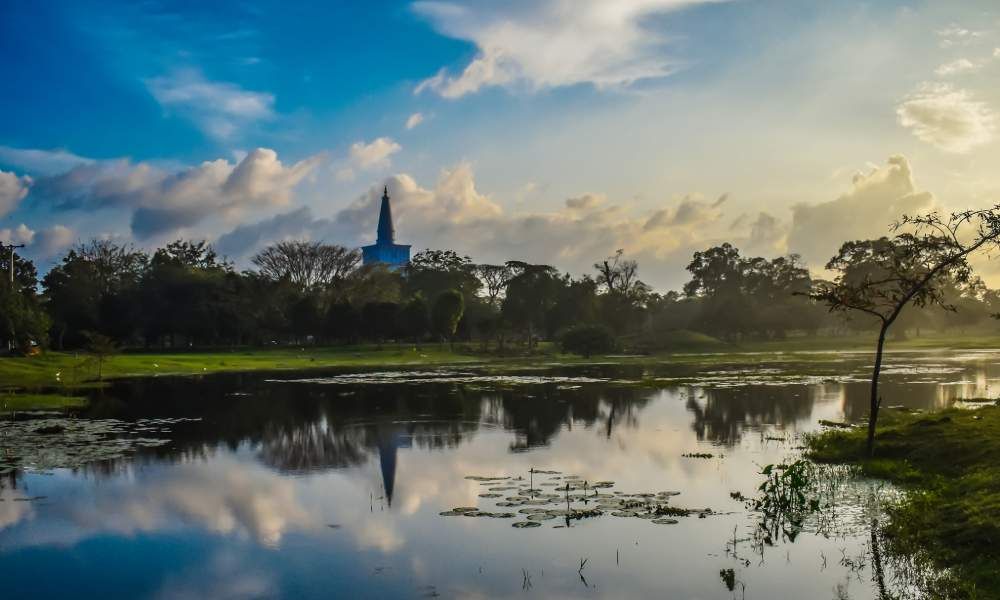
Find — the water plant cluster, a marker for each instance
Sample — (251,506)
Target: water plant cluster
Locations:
(52,442)
(443,376)
(550,495)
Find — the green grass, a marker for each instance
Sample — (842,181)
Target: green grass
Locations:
(20,402)
(949,464)
(68,369)
(59,369)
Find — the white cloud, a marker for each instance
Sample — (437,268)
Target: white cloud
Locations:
(166,202)
(956,35)
(52,240)
(552,43)
(768,235)
(41,244)
(414,120)
(19,235)
(947,117)
(374,154)
(956,67)
(455,214)
(41,162)
(219,108)
(14,507)
(13,189)
(244,239)
(367,156)
(867,210)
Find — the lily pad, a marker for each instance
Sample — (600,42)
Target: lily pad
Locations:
(665,521)
(525,524)
(540,517)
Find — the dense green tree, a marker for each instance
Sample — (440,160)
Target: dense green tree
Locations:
(531,295)
(342,322)
(306,317)
(587,340)
(447,312)
(371,283)
(749,297)
(413,320)
(185,294)
(433,272)
(95,289)
(22,318)
(378,320)
(72,299)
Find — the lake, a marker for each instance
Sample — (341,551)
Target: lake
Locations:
(332,483)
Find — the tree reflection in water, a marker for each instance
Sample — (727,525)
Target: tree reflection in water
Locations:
(722,415)
(309,427)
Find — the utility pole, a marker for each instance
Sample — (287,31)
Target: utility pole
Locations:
(12,248)
(10,343)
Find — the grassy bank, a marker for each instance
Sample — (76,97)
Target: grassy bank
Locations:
(66,372)
(59,369)
(11,402)
(949,464)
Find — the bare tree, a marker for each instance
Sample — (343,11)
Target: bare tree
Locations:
(620,276)
(881,277)
(114,264)
(307,264)
(495,278)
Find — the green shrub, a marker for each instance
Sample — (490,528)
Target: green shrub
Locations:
(586,340)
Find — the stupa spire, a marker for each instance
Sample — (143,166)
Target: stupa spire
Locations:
(386,232)
(385,250)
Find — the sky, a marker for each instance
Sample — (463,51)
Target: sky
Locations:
(549,131)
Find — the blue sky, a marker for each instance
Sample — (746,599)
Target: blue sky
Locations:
(549,130)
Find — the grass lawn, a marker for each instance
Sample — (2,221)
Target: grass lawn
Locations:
(949,464)
(10,402)
(64,372)
(58,369)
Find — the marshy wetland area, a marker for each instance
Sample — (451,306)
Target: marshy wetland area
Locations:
(700,475)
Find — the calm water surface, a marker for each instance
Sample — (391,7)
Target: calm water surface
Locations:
(330,483)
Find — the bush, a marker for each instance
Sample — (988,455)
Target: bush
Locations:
(586,340)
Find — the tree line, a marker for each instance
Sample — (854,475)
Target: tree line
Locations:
(184,295)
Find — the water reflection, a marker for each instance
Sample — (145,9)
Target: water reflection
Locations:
(296,489)
(723,415)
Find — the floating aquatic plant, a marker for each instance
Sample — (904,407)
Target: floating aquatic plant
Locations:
(575,499)
(60,442)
